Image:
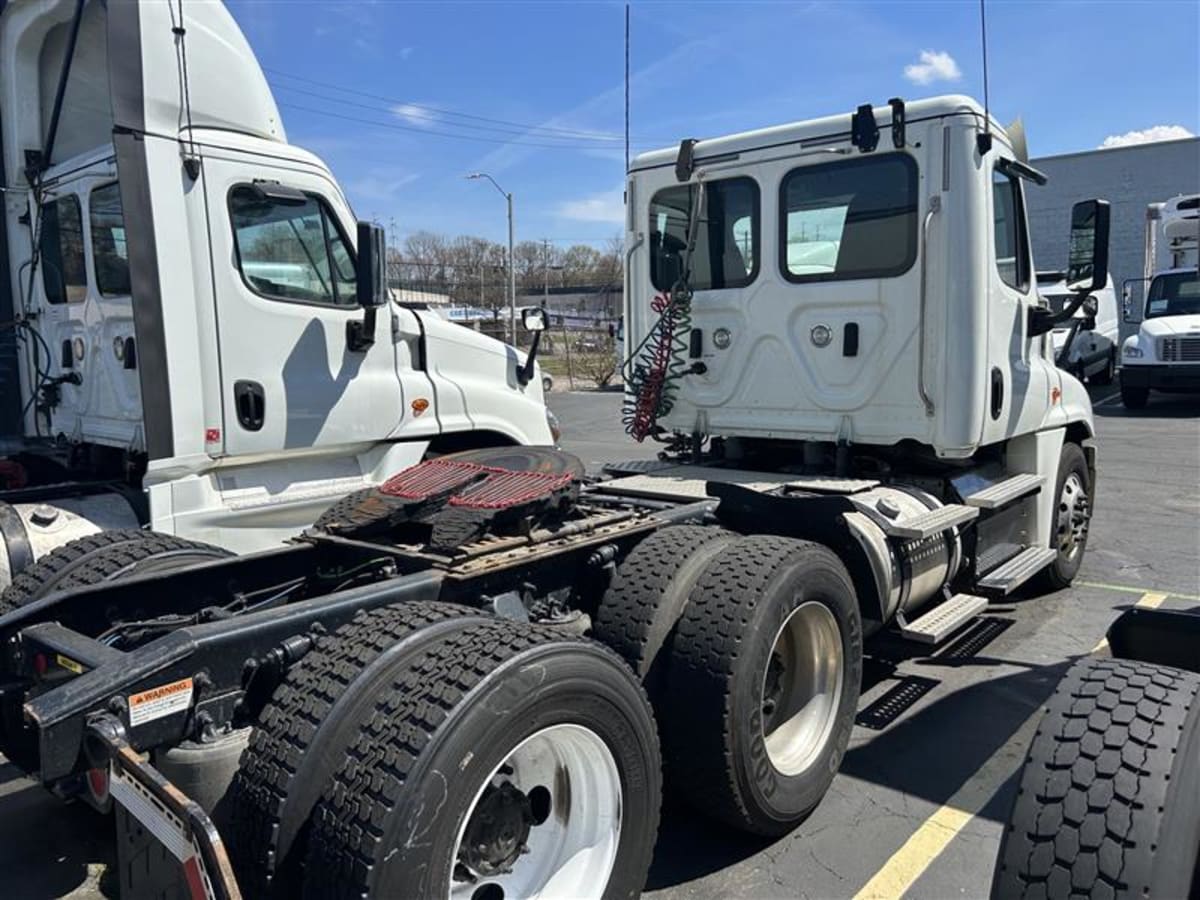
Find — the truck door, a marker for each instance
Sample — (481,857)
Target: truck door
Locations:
(1019,377)
(283,276)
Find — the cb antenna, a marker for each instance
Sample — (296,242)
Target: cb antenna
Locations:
(984,141)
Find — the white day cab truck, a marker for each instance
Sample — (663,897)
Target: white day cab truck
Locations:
(1164,354)
(1087,345)
(183,344)
(468,681)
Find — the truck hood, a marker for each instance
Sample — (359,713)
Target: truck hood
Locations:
(1168,326)
(482,373)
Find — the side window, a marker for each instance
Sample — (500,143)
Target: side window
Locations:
(849,219)
(291,249)
(110,257)
(1011,240)
(60,247)
(727,239)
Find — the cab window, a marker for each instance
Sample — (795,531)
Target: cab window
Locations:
(290,248)
(727,236)
(1010,237)
(110,255)
(60,251)
(849,219)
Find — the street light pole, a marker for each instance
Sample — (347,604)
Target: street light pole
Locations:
(512,261)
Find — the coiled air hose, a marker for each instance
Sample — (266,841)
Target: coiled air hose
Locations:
(653,370)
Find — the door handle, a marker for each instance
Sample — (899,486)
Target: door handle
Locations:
(251,404)
(997,393)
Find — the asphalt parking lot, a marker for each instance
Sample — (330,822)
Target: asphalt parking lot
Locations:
(918,805)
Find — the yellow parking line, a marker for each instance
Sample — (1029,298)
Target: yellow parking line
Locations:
(925,844)
(1132,589)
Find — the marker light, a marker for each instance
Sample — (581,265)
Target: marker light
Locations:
(722,338)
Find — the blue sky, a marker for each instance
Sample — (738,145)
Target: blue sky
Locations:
(533,92)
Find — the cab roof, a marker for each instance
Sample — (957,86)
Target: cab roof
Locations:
(824,129)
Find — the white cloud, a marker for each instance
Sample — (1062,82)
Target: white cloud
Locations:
(1146,136)
(414,115)
(934,66)
(608,207)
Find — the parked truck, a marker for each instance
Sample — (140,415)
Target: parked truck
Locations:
(181,344)
(1164,353)
(472,679)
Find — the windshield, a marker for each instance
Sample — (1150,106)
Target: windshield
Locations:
(1175,294)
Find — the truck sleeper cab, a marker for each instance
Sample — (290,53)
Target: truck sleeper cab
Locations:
(184,286)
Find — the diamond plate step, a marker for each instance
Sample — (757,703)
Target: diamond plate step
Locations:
(930,523)
(944,619)
(1006,578)
(1004,492)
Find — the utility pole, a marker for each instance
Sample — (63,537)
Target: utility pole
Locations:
(512,261)
(545,272)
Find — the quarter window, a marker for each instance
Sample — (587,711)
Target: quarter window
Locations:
(110,255)
(849,219)
(727,236)
(60,248)
(291,249)
(1011,240)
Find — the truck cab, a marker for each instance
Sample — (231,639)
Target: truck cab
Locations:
(179,294)
(1164,353)
(1093,350)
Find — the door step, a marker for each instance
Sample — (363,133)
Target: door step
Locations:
(929,523)
(1007,577)
(944,619)
(1004,492)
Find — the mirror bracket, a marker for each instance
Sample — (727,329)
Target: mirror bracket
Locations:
(360,336)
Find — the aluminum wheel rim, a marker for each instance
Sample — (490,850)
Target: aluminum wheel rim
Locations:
(1072,516)
(801,687)
(571,779)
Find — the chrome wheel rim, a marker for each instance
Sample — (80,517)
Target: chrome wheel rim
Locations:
(545,823)
(801,687)
(1073,517)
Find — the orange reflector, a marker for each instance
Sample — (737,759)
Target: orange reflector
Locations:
(419,406)
(40,663)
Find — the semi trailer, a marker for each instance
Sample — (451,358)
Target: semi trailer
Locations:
(181,342)
(1164,353)
(477,678)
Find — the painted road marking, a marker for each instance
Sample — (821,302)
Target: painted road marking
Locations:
(1109,399)
(1134,589)
(925,844)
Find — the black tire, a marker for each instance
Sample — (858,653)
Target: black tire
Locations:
(639,610)
(1072,472)
(94,559)
(1109,799)
(106,556)
(713,727)
(301,736)
(1134,397)
(1105,376)
(388,824)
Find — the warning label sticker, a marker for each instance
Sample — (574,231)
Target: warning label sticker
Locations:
(160,701)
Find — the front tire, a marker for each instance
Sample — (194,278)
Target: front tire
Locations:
(505,761)
(763,681)
(1109,799)
(1134,397)
(1072,518)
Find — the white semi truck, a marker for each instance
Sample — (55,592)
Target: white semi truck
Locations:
(1164,353)
(464,682)
(182,342)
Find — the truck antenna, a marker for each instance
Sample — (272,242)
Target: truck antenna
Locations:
(627,87)
(984,141)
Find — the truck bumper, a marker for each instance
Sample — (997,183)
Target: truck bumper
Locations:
(1181,378)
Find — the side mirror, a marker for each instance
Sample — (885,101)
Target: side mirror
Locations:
(533,318)
(1091,306)
(1087,264)
(1130,314)
(371,269)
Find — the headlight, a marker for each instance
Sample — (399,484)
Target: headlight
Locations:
(552,421)
(1132,352)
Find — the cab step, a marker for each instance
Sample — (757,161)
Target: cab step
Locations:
(944,619)
(1007,577)
(930,523)
(1004,492)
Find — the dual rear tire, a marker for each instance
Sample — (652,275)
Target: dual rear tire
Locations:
(757,682)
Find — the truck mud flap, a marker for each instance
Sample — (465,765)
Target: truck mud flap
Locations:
(164,837)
